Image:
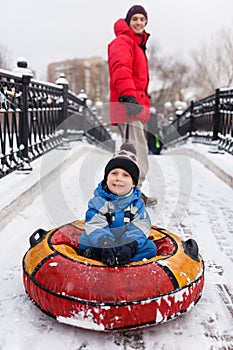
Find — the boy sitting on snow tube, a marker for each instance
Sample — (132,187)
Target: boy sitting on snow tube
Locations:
(117,224)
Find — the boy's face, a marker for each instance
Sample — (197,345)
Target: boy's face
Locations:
(138,23)
(119,181)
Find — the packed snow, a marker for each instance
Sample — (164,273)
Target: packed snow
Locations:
(192,202)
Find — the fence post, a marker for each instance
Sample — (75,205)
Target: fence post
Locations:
(26,73)
(216,124)
(64,119)
(65,85)
(84,125)
(191,119)
(216,121)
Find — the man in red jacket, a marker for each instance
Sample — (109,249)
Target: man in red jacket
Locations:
(129,78)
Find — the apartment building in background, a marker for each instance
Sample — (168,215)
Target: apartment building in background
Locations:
(90,74)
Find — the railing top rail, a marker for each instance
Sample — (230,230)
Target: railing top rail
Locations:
(226,89)
(46,84)
(73,96)
(205,99)
(11,75)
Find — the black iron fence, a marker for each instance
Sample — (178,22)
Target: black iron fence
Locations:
(36,117)
(207,120)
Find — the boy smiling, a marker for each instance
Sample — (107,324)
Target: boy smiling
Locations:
(119,182)
(117,224)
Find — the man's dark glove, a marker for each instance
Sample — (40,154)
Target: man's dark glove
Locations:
(106,251)
(131,104)
(126,253)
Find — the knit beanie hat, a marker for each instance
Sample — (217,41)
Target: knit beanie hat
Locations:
(124,159)
(133,10)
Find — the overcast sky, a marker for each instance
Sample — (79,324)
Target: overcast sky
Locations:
(53,30)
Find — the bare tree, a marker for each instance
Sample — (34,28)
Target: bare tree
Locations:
(211,68)
(5,61)
(170,77)
(212,64)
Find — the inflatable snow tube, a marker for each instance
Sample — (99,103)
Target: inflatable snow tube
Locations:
(88,294)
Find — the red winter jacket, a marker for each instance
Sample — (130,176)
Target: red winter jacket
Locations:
(128,69)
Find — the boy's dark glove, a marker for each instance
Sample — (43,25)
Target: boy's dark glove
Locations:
(108,256)
(126,253)
(131,104)
(106,251)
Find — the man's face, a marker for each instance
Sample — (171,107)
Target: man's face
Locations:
(138,23)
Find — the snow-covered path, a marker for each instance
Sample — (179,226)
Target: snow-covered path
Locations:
(193,202)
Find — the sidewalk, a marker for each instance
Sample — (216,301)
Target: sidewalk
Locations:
(221,164)
(18,190)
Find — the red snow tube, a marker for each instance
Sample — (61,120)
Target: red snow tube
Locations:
(88,294)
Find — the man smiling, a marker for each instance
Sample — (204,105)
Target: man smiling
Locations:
(137,21)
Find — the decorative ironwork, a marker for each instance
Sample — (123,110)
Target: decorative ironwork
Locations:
(207,120)
(36,116)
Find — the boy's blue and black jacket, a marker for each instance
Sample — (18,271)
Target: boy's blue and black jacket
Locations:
(120,218)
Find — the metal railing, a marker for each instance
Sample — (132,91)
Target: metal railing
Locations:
(36,116)
(207,120)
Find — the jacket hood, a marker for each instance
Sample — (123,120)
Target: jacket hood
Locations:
(121,27)
(122,201)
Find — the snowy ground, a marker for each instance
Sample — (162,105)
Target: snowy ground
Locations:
(192,202)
